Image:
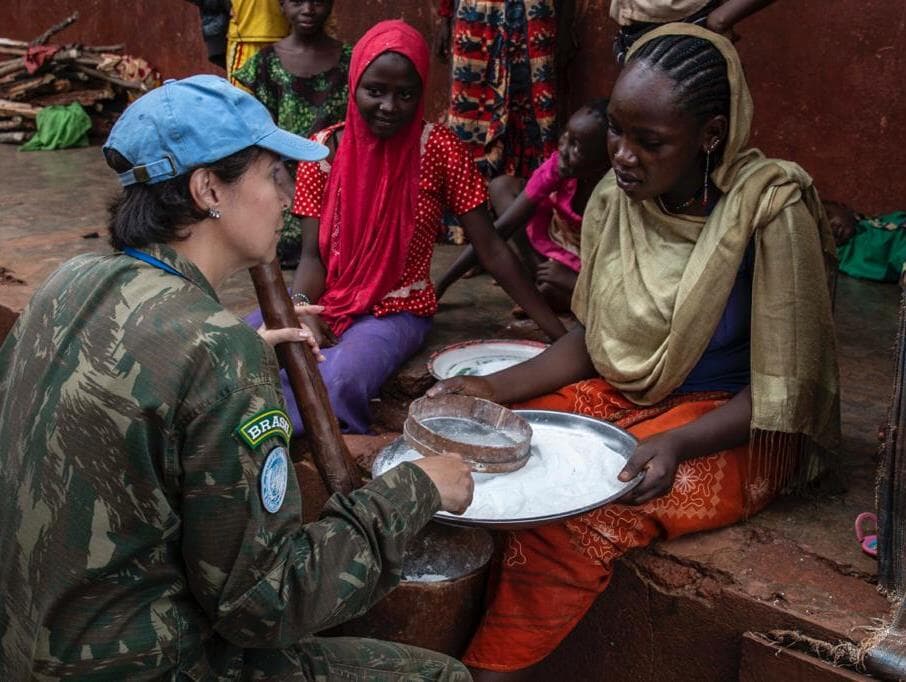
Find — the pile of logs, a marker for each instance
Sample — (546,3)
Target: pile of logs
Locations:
(71,74)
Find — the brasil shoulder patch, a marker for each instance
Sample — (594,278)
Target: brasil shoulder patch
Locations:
(264,425)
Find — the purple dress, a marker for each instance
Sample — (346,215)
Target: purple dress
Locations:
(369,352)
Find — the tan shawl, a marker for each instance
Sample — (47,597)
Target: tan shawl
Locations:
(653,286)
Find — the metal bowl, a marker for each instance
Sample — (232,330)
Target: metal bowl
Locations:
(555,425)
(481,357)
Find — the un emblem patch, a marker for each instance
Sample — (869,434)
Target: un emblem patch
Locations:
(273,479)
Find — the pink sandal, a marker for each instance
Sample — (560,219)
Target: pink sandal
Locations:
(868,540)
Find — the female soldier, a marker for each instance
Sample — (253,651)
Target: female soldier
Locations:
(149,520)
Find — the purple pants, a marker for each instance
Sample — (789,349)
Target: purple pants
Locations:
(369,352)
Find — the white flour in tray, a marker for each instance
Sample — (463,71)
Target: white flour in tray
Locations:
(567,470)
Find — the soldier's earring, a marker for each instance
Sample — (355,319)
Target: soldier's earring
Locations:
(214,213)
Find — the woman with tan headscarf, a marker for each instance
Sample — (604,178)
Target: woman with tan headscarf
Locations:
(705,330)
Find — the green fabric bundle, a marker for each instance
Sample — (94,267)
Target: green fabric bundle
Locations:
(877,250)
(60,127)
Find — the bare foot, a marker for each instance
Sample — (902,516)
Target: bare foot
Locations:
(556,274)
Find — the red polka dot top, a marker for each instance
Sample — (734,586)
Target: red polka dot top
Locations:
(448,180)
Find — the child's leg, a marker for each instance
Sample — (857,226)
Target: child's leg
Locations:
(560,300)
(503,191)
(526,252)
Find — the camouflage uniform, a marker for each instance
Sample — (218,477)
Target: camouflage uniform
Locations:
(134,536)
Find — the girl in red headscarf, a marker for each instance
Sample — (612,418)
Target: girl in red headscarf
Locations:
(371,213)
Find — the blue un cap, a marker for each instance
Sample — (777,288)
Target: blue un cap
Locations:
(195,121)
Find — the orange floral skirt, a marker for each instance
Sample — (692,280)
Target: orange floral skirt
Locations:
(549,577)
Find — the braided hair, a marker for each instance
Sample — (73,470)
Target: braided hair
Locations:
(697,68)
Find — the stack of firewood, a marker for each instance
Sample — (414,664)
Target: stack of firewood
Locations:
(74,73)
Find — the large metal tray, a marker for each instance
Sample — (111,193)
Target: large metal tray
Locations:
(548,423)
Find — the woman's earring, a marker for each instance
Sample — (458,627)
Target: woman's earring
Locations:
(214,213)
(707,172)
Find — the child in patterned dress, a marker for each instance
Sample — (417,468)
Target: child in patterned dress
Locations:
(301,79)
(549,207)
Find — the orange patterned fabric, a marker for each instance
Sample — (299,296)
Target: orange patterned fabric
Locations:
(548,577)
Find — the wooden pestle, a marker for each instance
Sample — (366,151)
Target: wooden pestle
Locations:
(328,448)
(413,610)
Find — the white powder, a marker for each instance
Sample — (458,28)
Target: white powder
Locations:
(426,578)
(567,470)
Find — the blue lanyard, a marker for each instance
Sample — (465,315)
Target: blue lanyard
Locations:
(151,260)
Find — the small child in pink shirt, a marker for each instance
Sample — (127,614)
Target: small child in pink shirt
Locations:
(550,206)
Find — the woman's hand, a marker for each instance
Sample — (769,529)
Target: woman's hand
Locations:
(302,333)
(478,387)
(565,362)
(453,479)
(323,335)
(658,457)
(725,427)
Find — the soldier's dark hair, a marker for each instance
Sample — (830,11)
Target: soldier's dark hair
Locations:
(697,68)
(145,214)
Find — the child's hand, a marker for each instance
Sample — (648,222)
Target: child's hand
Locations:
(842,221)
(716,22)
(556,274)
